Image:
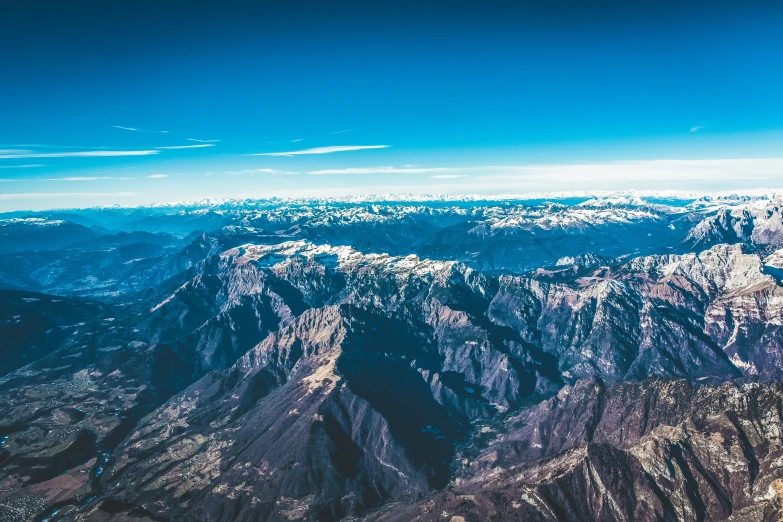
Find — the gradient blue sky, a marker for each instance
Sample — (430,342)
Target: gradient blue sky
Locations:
(96,98)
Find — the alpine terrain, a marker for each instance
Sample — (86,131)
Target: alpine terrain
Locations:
(614,358)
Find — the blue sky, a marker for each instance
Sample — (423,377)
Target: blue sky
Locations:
(133,102)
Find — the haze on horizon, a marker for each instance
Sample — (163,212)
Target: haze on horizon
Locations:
(139,102)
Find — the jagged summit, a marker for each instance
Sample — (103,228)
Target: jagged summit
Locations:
(341,257)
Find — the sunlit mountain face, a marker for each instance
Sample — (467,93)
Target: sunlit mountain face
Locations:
(391,261)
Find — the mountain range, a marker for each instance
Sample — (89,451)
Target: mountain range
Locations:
(615,357)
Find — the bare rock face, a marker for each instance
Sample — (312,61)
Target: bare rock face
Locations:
(723,227)
(759,223)
(714,314)
(650,451)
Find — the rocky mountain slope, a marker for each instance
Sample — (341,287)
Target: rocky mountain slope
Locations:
(655,450)
(757,222)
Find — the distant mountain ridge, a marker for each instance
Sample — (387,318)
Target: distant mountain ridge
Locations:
(505,238)
(674,195)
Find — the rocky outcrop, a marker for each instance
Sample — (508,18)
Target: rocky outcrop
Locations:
(724,226)
(655,450)
(757,223)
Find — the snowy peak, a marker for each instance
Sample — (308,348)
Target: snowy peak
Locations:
(721,269)
(341,258)
(758,222)
(31,222)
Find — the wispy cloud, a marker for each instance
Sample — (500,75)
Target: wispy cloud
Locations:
(158,176)
(199,146)
(340,131)
(42,195)
(22,154)
(608,175)
(81,178)
(696,128)
(380,170)
(202,141)
(21,166)
(17,146)
(323,150)
(297,141)
(258,171)
(134,129)
(625,173)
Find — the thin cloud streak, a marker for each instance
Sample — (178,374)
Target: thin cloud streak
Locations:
(81,178)
(158,176)
(323,150)
(134,129)
(85,154)
(21,166)
(42,195)
(202,141)
(258,171)
(449,176)
(176,147)
(380,170)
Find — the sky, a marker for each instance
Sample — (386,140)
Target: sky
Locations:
(122,102)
